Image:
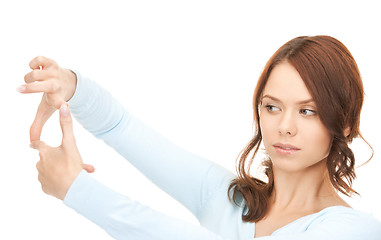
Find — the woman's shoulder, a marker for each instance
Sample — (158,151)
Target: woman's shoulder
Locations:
(351,219)
(334,220)
(345,211)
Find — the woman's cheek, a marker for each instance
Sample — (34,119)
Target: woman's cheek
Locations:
(268,129)
(316,137)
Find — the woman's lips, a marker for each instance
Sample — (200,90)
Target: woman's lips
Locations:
(285,149)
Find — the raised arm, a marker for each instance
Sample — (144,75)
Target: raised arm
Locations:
(124,218)
(185,176)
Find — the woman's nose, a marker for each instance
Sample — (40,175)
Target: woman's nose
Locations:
(287,124)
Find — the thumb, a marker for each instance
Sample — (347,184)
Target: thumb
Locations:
(89,168)
(66,125)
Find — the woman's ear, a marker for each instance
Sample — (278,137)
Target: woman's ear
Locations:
(347,131)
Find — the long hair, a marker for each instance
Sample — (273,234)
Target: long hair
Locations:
(331,75)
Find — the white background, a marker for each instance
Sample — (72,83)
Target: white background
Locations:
(187,68)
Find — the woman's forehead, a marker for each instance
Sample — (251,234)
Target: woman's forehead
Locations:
(285,84)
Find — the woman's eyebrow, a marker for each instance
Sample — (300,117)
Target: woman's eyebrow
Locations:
(278,100)
(271,97)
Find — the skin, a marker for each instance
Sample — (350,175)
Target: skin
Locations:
(57,84)
(288,115)
(59,166)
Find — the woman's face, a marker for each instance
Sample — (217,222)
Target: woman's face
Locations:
(293,135)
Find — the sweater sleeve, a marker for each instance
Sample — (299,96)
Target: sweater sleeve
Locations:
(123,218)
(188,178)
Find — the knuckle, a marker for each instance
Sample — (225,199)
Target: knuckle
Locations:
(39,58)
(38,166)
(54,65)
(42,153)
(33,74)
(39,178)
(54,73)
(54,87)
(50,87)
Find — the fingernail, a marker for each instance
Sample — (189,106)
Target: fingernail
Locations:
(64,110)
(21,88)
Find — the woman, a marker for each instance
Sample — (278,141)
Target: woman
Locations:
(307,107)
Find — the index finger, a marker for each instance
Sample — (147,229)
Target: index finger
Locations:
(44,112)
(43,62)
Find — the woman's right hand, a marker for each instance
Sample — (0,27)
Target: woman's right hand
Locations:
(57,84)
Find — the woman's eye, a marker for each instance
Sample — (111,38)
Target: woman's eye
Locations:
(272,108)
(307,112)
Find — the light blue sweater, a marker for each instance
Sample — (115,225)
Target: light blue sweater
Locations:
(199,184)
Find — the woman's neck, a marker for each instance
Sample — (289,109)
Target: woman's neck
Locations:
(307,191)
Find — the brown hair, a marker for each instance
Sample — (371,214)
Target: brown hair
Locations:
(331,75)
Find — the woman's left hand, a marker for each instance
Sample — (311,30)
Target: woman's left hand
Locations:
(59,166)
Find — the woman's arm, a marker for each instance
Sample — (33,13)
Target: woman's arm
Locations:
(124,218)
(185,176)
